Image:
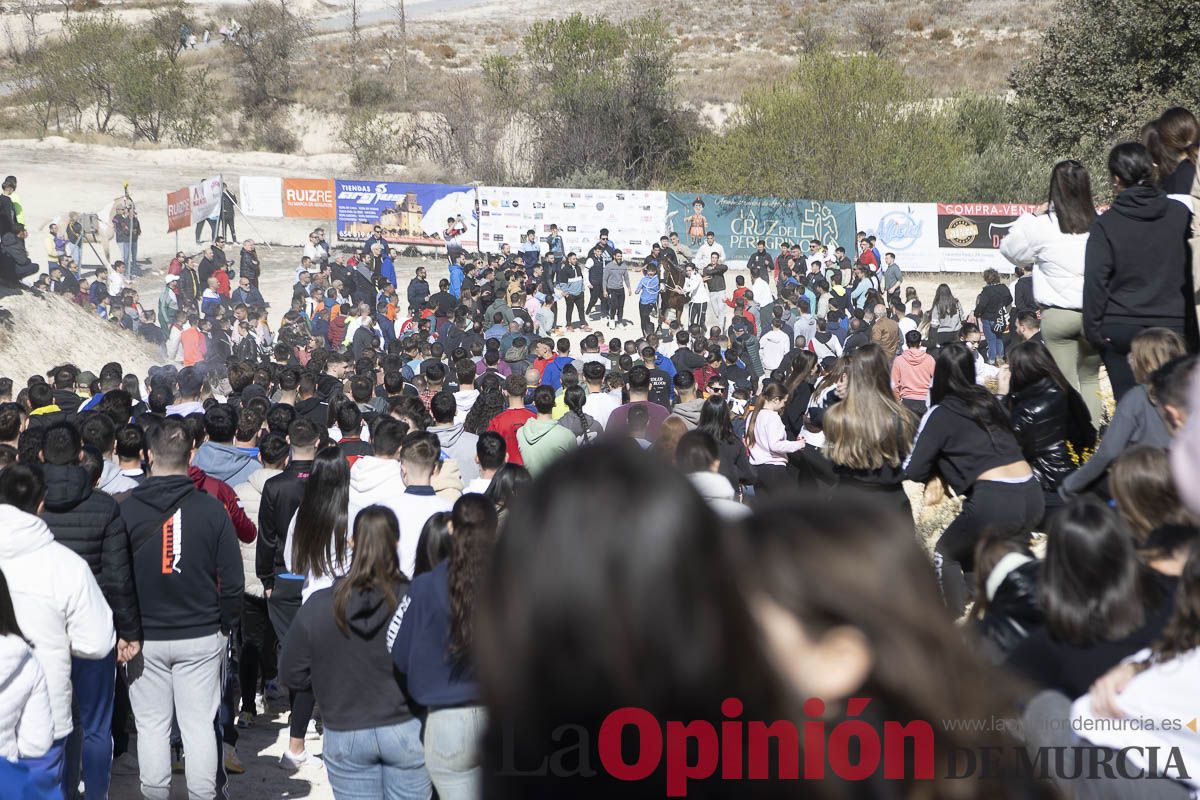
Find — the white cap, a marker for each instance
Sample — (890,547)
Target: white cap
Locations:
(171,278)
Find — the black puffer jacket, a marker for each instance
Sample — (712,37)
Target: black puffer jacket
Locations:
(1044,419)
(88,522)
(993,298)
(1013,610)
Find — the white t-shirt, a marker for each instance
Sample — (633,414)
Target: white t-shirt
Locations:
(600,405)
(705,251)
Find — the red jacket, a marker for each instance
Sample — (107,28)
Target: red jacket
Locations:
(219,489)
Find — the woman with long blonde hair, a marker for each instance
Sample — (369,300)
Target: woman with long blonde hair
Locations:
(868,432)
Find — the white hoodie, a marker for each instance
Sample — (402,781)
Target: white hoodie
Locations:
(59,606)
(465,400)
(26,727)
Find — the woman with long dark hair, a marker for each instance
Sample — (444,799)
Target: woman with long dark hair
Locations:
(26,726)
(767,439)
(835,630)
(717,422)
(435,650)
(315,553)
(868,432)
(1100,602)
(372,746)
(434,545)
(799,384)
(1049,417)
(946,317)
(507,483)
(1137,271)
(1052,242)
(615,586)
(583,425)
(1174,143)
(966,437)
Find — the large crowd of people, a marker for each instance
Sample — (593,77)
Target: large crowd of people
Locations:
(454,540)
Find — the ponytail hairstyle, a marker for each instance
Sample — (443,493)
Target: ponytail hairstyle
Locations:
(574,397)
(1131,164)
(770,391)
(1174,139)
(472,538)
(376,565)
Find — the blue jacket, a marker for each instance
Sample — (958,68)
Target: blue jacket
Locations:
(388,269)
(647,288)
(456,280)
(552,374)
(421,648)
(226,463)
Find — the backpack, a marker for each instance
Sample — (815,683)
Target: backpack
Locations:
(1002,321)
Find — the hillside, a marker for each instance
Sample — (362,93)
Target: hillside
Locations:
(37,333)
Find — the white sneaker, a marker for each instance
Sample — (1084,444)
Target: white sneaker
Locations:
(294,761)
(314,731)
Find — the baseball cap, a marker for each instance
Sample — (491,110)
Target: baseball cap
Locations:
(171,279)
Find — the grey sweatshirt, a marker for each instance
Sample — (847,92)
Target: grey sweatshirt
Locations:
(615,275)
(1135,421)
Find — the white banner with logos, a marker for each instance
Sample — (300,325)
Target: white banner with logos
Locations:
(206,199)
(635,219)
(261,197)
(907,229)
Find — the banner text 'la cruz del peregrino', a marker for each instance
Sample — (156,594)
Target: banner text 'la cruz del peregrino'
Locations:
(926,237)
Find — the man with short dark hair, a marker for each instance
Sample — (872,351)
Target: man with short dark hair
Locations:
(218,456)
(456,442)
(281,497)
(638,380)
(490,455)
(420,458)
(509,421)
(542,440)
(188,575)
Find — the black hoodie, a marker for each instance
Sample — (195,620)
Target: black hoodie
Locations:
(372,698)
(1136,270)
(281,498)
(187,564)
(88,522)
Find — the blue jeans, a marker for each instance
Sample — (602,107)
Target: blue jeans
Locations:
(372,763)
(995,341)
(46,772)
(90,745)
(452,751)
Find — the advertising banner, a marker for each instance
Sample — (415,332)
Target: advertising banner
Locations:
(740,222)
(206,198)
(179,209)
(634,219)
(969,234)
(261,197)
(910,230)
(308,198)
(409,213)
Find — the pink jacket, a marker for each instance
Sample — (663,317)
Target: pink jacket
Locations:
(912,373)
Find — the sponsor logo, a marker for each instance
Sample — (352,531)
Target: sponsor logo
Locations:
(961,231)
(898,230)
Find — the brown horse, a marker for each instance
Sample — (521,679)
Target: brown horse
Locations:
(671,294)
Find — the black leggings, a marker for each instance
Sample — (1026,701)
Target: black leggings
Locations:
(697,313)
(282,608)
(258,649)
(574,301)
(597,298)
(1007,510)
(1115,353)
(775,479)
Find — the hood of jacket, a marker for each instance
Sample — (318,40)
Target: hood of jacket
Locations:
(372,473)
(690,411)
(222,461)
(536,429)
(23,533)
(307,406)
(164,492)
(712,485)
(465,399)
(111,479)
(1141,202)
(67,485)
(367,612)
(448,435)
(915,357)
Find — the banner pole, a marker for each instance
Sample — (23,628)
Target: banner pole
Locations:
(251,224)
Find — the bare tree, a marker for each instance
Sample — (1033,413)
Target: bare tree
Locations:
(402,29)
(873,29)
